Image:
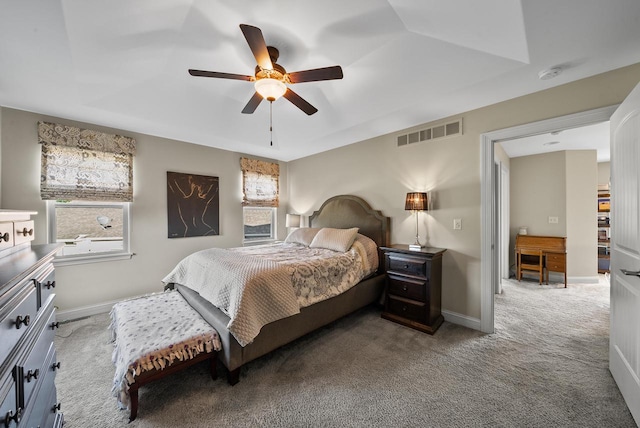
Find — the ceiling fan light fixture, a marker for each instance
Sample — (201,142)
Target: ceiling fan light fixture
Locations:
(270,89)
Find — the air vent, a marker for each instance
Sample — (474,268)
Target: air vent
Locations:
(436,132)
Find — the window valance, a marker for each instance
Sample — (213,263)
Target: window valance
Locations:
(82,164)
(260,186)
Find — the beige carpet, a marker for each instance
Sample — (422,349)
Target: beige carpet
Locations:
(546,366)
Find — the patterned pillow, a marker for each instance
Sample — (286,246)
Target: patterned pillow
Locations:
(334,239)
(303,235)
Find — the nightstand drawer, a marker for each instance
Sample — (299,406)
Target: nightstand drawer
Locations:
(406,265)
(405,308)
(556,262)
(404,287)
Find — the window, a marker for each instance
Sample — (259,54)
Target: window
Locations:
(87,181)
(90,231)
(259,223)
(260,196)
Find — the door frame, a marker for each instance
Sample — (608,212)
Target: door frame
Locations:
(490,246)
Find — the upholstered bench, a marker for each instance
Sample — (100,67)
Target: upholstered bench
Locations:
(155,336)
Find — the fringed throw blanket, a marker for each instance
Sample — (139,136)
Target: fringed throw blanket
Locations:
(153,332)
(252,291)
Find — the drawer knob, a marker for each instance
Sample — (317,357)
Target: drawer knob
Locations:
(55,325)
(56,366)
(11,417)
(33,374)
(406,266)
(56,407)
(50,284)
(25,232)
(22,320)
(4,237)
(404,288)
(404,309)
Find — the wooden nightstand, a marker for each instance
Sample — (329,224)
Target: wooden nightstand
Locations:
(413,287)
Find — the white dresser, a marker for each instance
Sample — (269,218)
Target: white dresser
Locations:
(27,323)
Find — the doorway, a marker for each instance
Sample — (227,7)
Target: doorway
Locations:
(491,245)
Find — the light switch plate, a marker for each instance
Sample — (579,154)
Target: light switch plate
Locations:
(553,220)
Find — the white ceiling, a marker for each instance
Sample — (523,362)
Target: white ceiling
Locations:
(593,137)
(123,63)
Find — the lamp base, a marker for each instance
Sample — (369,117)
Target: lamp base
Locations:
(415,247)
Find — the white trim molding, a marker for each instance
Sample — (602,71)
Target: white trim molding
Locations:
(460,319)
(487,186)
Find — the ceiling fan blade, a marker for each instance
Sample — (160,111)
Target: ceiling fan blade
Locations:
(325,73)
(253,103)
(299,102)
(203,73)
(258,45)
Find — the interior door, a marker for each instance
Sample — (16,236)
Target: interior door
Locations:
(624,343)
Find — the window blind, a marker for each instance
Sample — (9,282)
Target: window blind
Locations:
(260,183)
(81,164)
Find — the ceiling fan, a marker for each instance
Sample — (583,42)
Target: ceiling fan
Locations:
(271,79)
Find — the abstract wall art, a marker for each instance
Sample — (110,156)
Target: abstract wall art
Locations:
(193,205)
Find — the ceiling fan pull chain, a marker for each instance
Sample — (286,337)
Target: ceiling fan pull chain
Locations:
(271,121)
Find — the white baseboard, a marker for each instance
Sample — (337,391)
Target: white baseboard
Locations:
(84,311)
(582,280)
(463,320)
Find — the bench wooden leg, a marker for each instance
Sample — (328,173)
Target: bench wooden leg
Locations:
(234,376)
(133,395)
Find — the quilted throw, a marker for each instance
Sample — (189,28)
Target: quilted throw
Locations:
(252,291)
(153,332)
(264,283)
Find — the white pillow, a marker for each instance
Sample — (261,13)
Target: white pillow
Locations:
(334,239)
(303,235)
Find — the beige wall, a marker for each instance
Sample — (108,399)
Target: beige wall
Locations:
(155,254)
(604,173)
(381,173)
(538,191)
(582,215)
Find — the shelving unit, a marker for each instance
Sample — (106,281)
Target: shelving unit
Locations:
(604,231)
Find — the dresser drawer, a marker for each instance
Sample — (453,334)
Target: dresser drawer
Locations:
(405,287)
(6,235)
(23,231)
(556,262)
(15,324)
(8,401)
(406,308)
(34,370)
(46,283)
(39,410)
(401,264)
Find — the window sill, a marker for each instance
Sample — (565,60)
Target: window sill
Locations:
(89,258)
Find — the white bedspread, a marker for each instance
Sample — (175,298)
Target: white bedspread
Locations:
(261,284)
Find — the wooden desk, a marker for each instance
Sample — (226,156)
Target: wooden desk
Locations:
(554,251)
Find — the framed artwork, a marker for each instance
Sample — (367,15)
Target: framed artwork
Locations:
(193,205)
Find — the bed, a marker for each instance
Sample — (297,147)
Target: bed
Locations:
(338,212)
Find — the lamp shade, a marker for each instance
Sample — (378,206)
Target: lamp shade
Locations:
(270,89)
(416,201)
(292,220)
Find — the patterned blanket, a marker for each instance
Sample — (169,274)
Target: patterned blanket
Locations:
(260,284)
(152,332)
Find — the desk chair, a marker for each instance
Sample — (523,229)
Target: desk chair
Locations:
(533,261)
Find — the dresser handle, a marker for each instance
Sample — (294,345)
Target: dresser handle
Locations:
(50,284)
(4,237)
(404,309)
(20,320)
(406,266)
(56,407)
(25,232)
(404,288)
(55,325)
(630,272)
(55,366)
(33,374)
(11,417)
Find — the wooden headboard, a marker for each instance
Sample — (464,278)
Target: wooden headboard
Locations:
(345,211)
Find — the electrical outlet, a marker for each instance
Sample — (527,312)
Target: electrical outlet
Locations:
(553,220)
(457,223)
